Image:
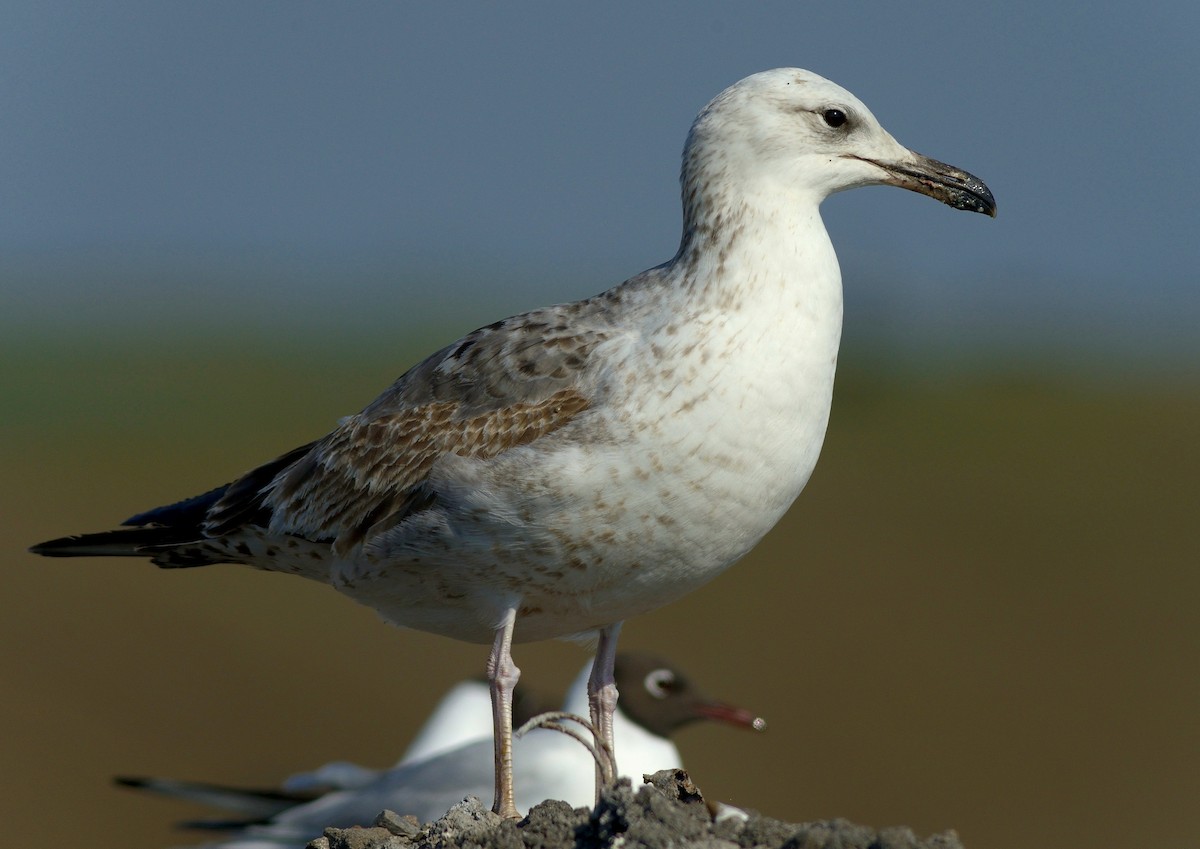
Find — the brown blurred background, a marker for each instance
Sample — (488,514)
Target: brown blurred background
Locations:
(222,226)
(980,615)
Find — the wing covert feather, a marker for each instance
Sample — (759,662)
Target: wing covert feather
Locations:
(500,387)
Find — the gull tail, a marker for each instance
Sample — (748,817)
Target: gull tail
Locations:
(171,536)
(125,542)
(258,806)
(184,533)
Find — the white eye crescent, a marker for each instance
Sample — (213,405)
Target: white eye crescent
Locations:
(660,683)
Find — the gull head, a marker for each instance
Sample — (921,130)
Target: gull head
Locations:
(789,132)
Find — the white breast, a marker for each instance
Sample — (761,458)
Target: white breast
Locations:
(708,420)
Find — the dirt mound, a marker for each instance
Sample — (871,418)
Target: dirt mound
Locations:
(668,812)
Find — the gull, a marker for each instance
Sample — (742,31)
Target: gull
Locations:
(557,472)
(657,701)
(459,719)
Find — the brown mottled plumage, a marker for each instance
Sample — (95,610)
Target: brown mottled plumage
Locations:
(389,456)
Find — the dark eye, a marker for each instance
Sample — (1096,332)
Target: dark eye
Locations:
(660,683)
(834,117)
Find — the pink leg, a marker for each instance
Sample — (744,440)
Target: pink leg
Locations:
(503,675)
(602,696)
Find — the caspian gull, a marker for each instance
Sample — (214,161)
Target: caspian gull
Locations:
(557,472)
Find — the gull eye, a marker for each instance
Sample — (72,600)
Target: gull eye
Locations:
(660,683)
(834,117)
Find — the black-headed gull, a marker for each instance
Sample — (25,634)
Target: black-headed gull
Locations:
(657,700)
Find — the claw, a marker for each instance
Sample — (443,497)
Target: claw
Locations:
(557,720)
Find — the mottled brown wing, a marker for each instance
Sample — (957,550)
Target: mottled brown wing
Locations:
(500,387)
(371,470)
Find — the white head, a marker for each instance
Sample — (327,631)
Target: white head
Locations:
(791,133)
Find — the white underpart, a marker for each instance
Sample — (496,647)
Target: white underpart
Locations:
(710,400)
(461,717)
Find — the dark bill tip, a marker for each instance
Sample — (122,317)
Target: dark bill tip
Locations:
(952,186)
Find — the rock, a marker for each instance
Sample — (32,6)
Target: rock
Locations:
(359,838)
(406,826)
(668,812)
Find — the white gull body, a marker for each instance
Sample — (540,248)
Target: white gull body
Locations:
(559,471)
(462,716)
(546,765)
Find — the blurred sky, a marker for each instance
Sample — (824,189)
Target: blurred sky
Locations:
(360,164)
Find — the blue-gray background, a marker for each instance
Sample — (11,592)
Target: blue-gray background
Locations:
(223,225)
(248,162)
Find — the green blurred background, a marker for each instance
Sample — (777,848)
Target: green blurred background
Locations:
(225,225)
(981,614)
